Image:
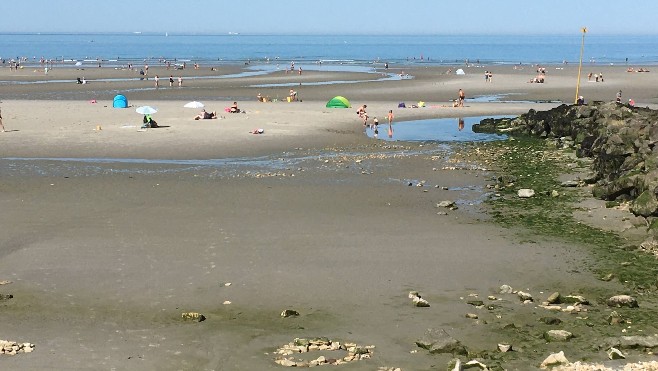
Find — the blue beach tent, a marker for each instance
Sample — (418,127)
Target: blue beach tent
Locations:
(120,101)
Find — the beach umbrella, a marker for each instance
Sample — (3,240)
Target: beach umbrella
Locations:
(146,110)
(194,104)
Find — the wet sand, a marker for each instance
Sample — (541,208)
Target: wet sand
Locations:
(104,257)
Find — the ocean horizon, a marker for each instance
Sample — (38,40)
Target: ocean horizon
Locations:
(115,49)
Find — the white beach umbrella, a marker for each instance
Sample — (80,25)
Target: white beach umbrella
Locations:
(194,104)
(146,110)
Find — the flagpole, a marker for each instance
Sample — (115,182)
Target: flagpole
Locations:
(580,63)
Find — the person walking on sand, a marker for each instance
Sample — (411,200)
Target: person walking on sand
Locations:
(390,117)
(180,81)
(171,80)
(157,81)
(462,96)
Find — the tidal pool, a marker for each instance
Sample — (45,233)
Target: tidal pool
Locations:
(436,130)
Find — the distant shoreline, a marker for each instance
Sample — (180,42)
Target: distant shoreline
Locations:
(411,50)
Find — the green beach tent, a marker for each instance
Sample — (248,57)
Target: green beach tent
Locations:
(338,102)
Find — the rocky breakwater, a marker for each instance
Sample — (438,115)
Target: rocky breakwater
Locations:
(621,140)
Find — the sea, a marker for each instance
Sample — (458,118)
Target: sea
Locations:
(120,49)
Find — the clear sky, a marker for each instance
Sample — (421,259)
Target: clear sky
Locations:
(331,16)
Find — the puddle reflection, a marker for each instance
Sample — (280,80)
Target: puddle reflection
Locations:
(438,130)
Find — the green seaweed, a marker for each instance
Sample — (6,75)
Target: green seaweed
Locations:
(536,165)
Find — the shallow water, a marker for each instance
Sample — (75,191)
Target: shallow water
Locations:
(435,130)
(442,132)
(504,98)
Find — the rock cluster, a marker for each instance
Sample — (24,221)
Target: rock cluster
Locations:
(621,140)
(300,345)
(581,366)
(12,348)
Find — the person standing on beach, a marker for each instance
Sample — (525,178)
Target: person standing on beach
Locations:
(2,127)
(180,81)
(390,117)
(146,70)
(171,80)
(462,96)
(362,114)
(157,81)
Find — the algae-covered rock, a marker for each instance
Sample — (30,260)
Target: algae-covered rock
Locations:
(193,316)
(557,335)
(645,204)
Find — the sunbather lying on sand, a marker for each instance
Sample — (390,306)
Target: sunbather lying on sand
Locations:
(204,115)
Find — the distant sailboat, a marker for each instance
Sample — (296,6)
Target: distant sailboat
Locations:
(166,34)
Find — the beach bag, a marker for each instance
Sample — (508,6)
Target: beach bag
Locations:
(402,105)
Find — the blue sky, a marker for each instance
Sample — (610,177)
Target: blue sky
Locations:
(331,16)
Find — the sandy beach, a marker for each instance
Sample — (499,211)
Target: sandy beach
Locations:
(111,232)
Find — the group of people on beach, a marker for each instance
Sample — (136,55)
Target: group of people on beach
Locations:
(374,126)
(156,80)
(598,77)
